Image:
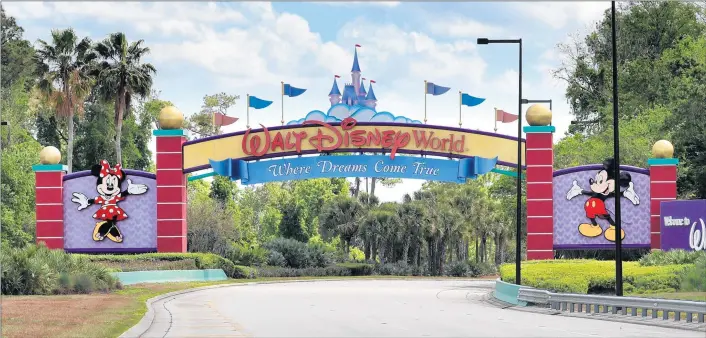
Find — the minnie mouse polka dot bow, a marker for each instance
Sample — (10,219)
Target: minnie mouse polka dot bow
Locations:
(107,170)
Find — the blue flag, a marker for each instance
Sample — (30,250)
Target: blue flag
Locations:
(258,103)
(470,101)
(292,91)
(436,90)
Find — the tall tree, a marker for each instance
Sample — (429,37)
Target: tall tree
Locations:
(63,66)
(120,75)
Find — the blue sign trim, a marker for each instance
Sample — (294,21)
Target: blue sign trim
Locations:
(301,168)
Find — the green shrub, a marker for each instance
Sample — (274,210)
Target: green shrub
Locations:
(247,254)
(303,272)
(397,269)
(595,277)
(458,269)
(482,269)
(241,272)
(358,269)
(356,255)
(36,270)
(294,252)
(695,276)
(200,261)
(276,259)
(659,257)
(320,254)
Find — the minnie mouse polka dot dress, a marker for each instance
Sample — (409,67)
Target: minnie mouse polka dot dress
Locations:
(109,210)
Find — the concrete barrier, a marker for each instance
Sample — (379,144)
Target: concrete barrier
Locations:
(167,276)
(508,293)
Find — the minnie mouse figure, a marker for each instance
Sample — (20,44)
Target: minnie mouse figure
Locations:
(602,187)
(109,194)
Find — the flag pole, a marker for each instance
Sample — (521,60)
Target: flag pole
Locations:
(282,82)
(459,108)
(425,101)
(496,119)
(247,111)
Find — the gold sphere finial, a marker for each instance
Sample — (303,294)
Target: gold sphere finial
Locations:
(538,115)
(170,118)
(663,149)
(49,155)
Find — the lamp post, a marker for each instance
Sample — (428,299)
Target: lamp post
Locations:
(616,157)
(518,237)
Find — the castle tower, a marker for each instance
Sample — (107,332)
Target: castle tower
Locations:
(370,99)
(362,93)
(335,95)
(355,72)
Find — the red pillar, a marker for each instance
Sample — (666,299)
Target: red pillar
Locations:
(539,159)
(663,187)
(171,191)
(49,182)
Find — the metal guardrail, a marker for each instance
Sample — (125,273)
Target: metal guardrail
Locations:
(604,304)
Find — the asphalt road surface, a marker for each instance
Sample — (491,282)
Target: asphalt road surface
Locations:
(370,308)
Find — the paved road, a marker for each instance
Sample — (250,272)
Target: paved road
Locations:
(368,308)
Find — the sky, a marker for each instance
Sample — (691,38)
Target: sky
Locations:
(240,48)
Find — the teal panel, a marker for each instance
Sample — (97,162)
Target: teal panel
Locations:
(169,132)
(539,129)
(49,167)
(507,293)
(167,276)
(506,172)
(662,161)
(198,177)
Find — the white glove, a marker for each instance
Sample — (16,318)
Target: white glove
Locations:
(630,194)
(574,191)
(81,199)
(135,189)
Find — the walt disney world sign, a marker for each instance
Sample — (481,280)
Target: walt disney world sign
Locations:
(242,156)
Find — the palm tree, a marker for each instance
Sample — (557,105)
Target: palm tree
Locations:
(342,216)
(120,75)
(62,67)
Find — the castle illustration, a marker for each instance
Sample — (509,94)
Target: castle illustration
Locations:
(354,93)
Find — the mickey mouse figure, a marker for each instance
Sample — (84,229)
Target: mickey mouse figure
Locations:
(603,186)
(109,194)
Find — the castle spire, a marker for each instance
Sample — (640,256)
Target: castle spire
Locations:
(371,94)
(356,67)
(334,89)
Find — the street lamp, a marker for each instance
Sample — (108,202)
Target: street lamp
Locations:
(518,237)
(616,157)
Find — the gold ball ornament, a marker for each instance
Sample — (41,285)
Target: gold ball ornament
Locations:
(538,115)
(49,155)
(170,118)
(663,149)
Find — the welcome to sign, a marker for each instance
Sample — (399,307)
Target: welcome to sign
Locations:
(683,225)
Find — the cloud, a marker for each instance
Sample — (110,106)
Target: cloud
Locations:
(361,114)
(361,3)
(560,14)
(462,27)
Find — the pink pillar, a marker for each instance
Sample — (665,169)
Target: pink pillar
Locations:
(49,182)
(540,198)
(171,191)
(663,187)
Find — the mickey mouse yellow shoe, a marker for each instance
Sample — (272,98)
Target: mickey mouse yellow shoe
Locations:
(590,230)
(610,234)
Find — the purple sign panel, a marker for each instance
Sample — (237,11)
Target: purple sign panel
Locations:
(683,225)
(110,210)
(584,207)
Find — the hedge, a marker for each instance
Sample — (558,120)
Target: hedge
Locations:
(595,277)
(172,261)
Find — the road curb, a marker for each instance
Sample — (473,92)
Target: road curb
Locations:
(146,322)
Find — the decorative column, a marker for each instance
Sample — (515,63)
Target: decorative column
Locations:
(663,185)
(171,182)
(539,158)
(49,204)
